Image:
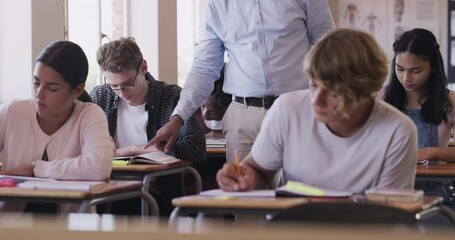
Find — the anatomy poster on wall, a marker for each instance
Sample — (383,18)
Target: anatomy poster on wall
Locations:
(366,15)
(408,14)
(385,20)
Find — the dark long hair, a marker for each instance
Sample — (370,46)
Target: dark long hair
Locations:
(68,59)
(437,104)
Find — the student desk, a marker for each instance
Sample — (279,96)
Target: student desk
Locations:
(113,191)
(266,206)
(148,172)
(440,171)
(216,152)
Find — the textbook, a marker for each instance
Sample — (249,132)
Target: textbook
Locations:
(159,158)
(292,188)
(63,185)
(394,195)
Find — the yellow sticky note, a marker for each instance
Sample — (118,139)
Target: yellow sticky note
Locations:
(119,163)
(225,197)
(304,189)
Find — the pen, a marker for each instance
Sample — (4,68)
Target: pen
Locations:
(237,161)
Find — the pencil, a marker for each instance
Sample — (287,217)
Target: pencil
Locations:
(237,161)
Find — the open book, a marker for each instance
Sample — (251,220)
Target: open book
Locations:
(160,158)
(63,185)
(290,189)
(394,195)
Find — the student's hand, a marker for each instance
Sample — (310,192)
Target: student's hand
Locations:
(167,135)
(134,150)
(26,171)
(426,153)
(235,178)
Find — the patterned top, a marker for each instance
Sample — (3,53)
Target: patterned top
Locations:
(190,145)
(162,99)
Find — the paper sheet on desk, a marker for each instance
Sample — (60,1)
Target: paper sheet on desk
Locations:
(253,193)
(20,179)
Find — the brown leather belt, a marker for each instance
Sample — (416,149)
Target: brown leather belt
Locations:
(264,102)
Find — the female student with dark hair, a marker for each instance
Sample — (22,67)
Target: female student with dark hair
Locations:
(57,134)
(328,136)
(418,87)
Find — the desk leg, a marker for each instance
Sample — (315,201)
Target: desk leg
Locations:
(151,176)
(197,178)
(173,219)
(145,197)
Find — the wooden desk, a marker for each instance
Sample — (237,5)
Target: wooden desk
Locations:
(221,152)
(113,191)
(440,171)
(148,172)
(266,206)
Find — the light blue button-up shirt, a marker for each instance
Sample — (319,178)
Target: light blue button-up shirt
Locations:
(265,41)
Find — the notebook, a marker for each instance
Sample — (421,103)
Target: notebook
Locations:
(160,158)
(293,188)
(290,189)
(63,185)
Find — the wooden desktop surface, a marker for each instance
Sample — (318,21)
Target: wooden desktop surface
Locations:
(196,201)
(216,151)
(436,169)
(111,187)
(279,203)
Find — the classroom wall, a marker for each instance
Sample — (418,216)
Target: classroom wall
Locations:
(13,68)
(153,23)
(26,28)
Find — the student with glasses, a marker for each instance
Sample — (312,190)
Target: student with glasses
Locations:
(136,106)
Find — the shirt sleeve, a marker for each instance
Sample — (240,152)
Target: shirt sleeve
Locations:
(95,159)
(319,19)
(3,110)
(401,159)
(191,142)
(207,64)
(268,147)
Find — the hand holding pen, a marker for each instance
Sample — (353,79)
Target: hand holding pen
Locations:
(235,176)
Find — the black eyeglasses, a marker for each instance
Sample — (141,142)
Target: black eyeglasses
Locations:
(125,85)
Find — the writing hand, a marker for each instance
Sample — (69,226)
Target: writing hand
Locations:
(235,178)
(167,135)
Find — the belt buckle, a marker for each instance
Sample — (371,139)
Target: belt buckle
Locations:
(264,102)
(267,102)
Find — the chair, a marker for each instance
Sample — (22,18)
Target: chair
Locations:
(346,213)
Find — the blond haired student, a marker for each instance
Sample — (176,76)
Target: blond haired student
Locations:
(58,134)
(335,135)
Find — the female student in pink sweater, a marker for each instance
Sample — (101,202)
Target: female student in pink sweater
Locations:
(59,133)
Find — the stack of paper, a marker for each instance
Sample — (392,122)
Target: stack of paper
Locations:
(216,143)
(63,185)
(393,195)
